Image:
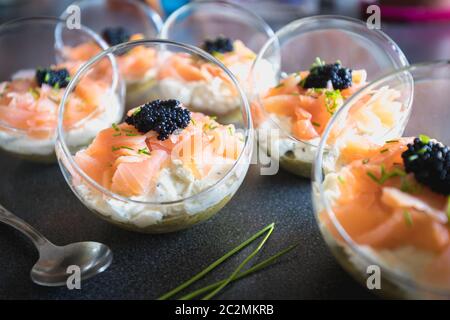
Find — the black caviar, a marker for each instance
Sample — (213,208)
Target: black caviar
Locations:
(220,44)
(57,78)
(162,116)
(319,75)
(429,161)
(116,35)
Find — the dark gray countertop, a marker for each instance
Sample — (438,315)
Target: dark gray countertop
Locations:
(146,266)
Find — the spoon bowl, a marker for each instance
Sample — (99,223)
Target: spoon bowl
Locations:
(83,259)
(57,263)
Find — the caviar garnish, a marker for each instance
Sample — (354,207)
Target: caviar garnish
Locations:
(116,35)
(57,78)
(220,44)
(162,116)
(429,161)
(320,74)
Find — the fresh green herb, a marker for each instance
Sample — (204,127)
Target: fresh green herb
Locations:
(391,141)
(408,218)
(448,208)
(338,62)
(131,134)
(332,100)
(144,151)
(422,150)
(386,175)
(266,230)
(413,157)
(384,150)
(230,130)
(137,111)
(365,161)
(213,117)
(34,92)
(318,63)
(115,127)
(316,124)
(117,134)
(269,261)
(47,77)
(409,186)
(56,85)
(217,55)
(341,180)
(121,147)
(424,138)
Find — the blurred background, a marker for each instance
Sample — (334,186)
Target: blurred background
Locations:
(420,27)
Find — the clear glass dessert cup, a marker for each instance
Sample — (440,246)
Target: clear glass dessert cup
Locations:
(196,22)
(26,45)
(136,17)
(404,273)
(147,216)
(294,48)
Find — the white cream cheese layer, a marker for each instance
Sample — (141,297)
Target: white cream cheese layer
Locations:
(174,182)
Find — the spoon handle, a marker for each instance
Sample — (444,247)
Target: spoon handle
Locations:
(10,219)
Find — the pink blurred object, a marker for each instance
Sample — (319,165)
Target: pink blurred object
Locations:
(414,11)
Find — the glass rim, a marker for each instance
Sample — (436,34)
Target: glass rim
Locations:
(219,3)
(160,42)
(317,177)
(153,16)
(46,20)
(402,61)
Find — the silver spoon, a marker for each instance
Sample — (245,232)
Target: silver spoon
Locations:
(52,267)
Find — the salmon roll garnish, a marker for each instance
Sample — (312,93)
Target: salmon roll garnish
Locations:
(162,152)
(393,201)
(293,115)
(29,105)
(205,87)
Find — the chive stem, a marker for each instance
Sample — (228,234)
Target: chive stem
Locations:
(216,263)
(269,261)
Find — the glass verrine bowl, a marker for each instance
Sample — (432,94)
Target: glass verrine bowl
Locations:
(291,114)
(121,21)
(35,68)
(179,193)
(229,32)
(378,211)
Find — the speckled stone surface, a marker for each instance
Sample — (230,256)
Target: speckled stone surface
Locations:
(146,266)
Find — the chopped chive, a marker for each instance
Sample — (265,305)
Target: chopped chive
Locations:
(47,77)
(316,124)
(115,127)
(67,79)
(137,111)
(448,208)
(408,218)
(413,157)
(131,134)
(121,147)
(117,134)
(144,151)
(384,150)
(56,86)
(373,177)
(213,117)
(422,150)
(424,138)
(391,141)
(341,180)
(230,130)
(365,161)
